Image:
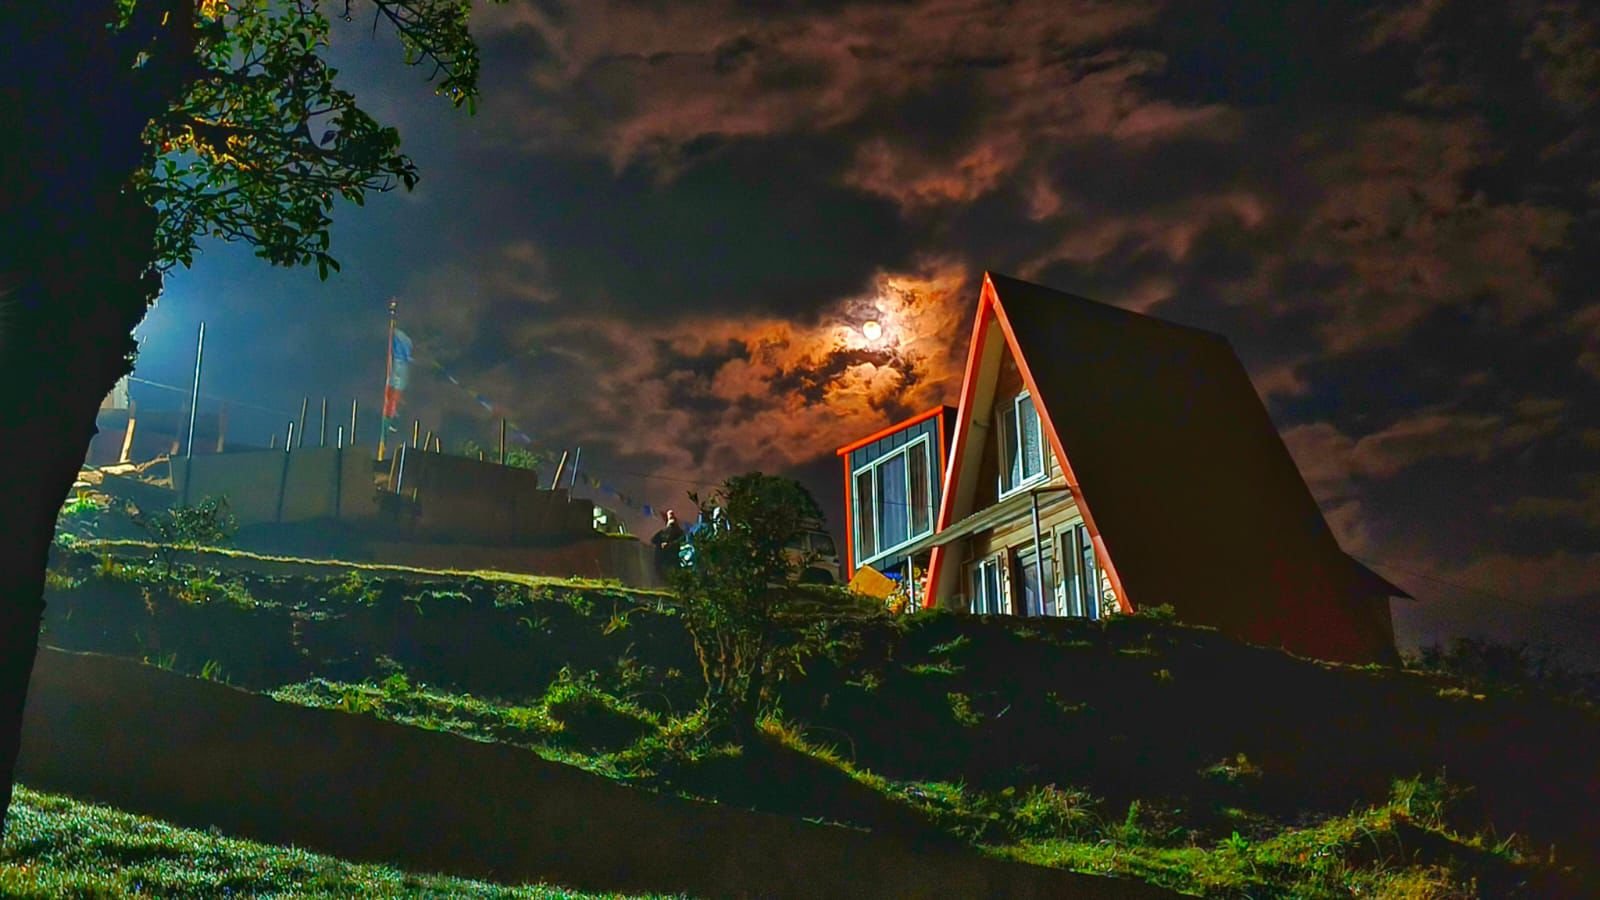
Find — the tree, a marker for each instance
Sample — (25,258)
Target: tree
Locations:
(740,594)
(129,129)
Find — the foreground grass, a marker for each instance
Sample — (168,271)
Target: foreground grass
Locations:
(1403,848)
(59,847)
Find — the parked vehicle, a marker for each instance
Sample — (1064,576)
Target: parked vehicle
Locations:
(814,548)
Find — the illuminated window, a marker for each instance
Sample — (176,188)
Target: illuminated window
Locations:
(893,501)
(1021,445)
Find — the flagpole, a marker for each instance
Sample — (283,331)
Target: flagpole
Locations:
(388,373)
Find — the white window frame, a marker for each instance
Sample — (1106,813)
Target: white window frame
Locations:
(1082,556)
(1002,580)
(926,445)
(1016,436)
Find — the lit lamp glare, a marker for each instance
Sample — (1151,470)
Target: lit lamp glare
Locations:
(871,330)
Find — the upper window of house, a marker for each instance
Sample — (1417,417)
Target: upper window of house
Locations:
(893,501)
(1021,444)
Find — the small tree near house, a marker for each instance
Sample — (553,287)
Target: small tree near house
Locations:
(740,593)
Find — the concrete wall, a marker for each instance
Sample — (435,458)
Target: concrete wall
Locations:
(467,500)
(312,482)
(203,754)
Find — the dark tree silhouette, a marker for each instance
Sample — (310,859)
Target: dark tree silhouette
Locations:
(128,130)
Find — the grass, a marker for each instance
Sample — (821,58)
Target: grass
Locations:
(59,847)
(1126,747)
(390,569)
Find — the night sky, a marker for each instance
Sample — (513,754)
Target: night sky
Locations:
(660,234)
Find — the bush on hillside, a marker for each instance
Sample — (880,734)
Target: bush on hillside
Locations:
(205,524)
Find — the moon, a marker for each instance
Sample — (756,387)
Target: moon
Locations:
(871,330)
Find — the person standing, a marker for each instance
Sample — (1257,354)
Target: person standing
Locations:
(667,542)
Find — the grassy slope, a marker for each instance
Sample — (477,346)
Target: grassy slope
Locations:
(59,847)
(894,728)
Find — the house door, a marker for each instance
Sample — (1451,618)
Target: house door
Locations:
(1077,587)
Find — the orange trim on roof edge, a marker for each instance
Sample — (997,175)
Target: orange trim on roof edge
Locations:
(888,430)
(969,386)
(849,523)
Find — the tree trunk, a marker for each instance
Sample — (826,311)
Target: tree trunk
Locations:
(39,460)
(76,275)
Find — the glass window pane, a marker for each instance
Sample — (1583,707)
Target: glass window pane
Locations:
(866,529)
(1071,582)
(1028,585)
(822,544)
(1032,462)
(921,495)
(894,513)
(1010,465)
(1091,575)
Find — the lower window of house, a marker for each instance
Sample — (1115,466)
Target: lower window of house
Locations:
(1079,579)
(983,578)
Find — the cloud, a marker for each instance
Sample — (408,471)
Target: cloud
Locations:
(1329,459)
(938,106)
(1398,219)
(1585,323)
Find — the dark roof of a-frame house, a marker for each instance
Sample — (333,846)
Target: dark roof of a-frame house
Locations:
(1186,479)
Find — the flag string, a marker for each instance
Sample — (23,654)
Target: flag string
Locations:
(543,456)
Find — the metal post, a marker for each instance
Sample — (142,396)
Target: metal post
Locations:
(283,473)
(560,467)
(338,477)
(304,402)
(353,407)
(576,455)
(502,441)
(427,441)
(1038,550)
(388,375)
(194,407)
(416,429)
(127,436)
(322,425)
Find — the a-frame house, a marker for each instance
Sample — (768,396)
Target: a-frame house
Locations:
(1102,461)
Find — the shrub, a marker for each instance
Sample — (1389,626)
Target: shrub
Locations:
(207,523)
(1050,812)
(589,716)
